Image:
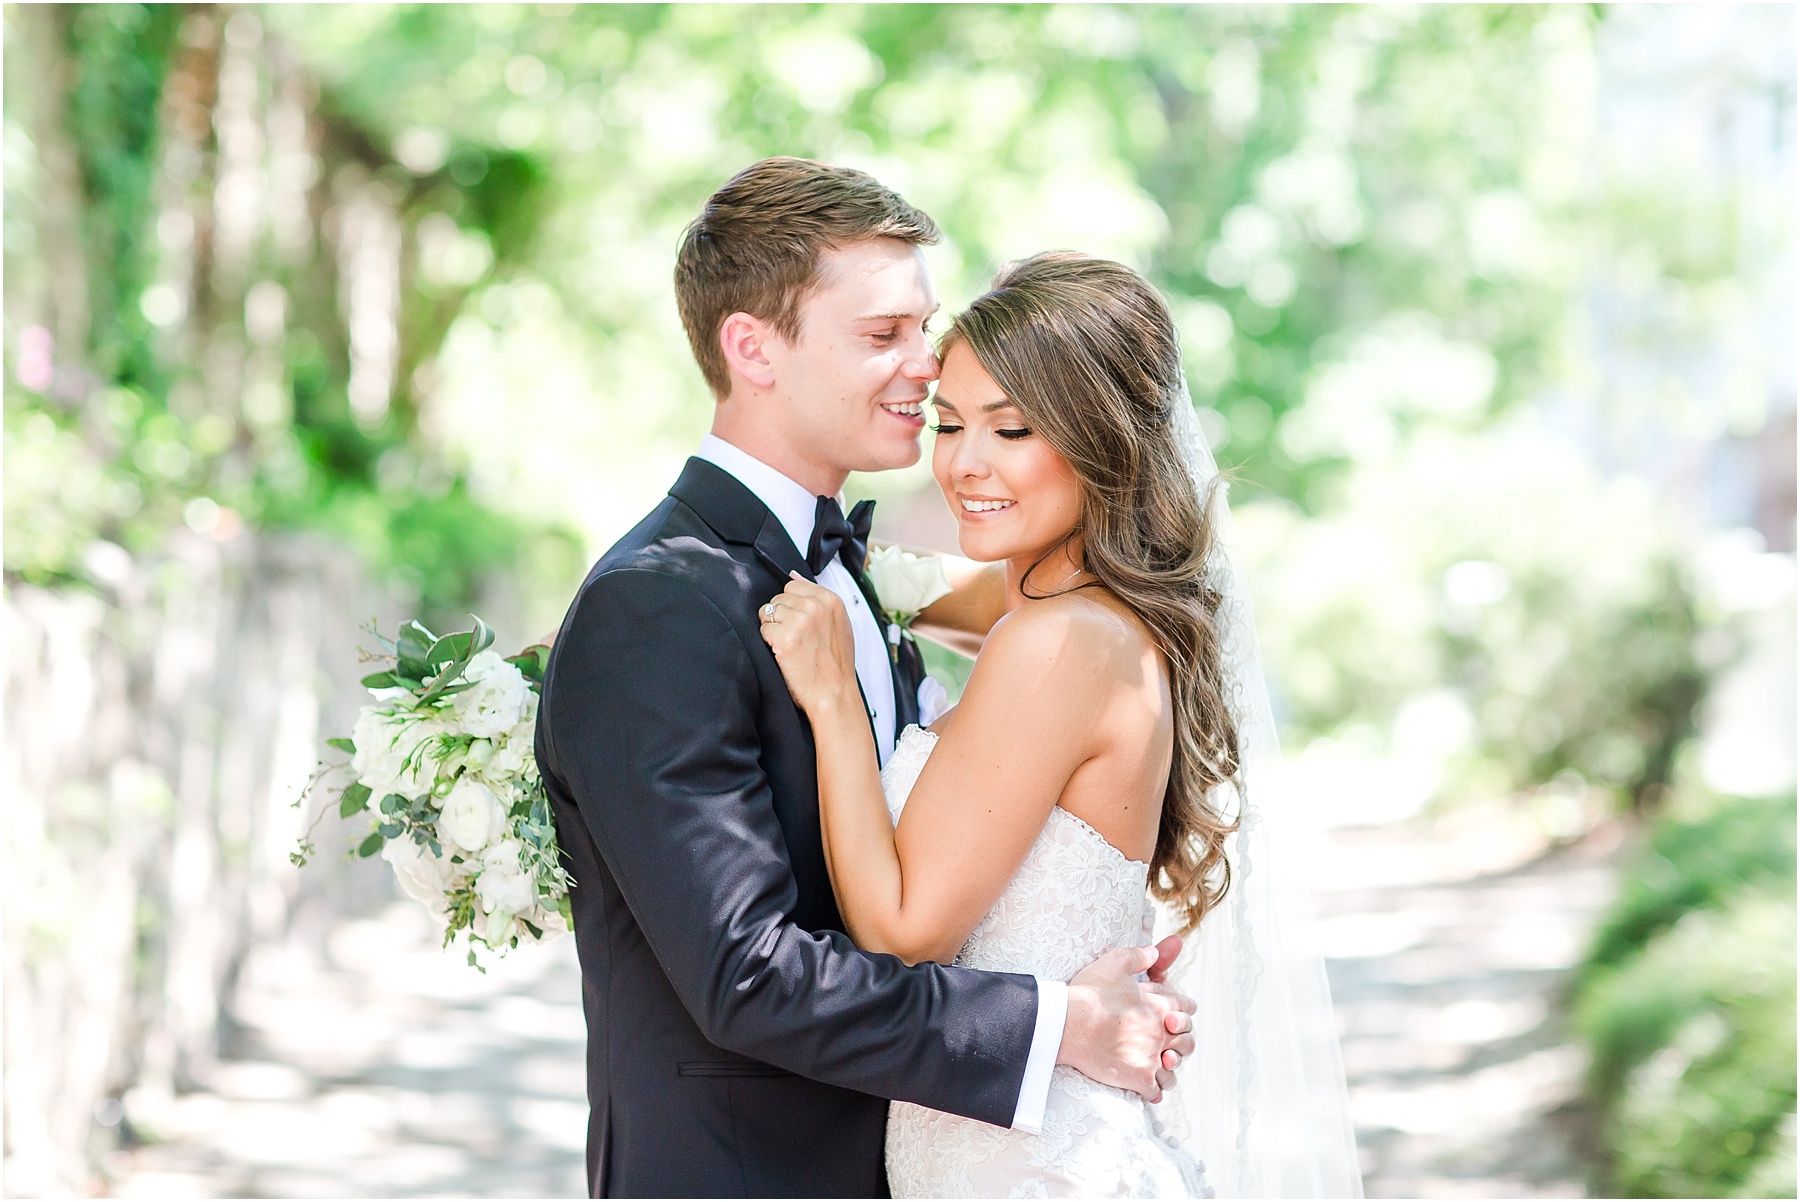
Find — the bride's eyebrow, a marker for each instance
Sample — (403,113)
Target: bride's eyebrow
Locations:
(941,403)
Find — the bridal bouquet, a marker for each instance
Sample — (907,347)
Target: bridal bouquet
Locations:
(444,771)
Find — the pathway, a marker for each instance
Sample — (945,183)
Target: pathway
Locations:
(1449,944)
(385,1068)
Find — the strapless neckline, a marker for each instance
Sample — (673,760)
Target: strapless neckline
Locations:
(920,742)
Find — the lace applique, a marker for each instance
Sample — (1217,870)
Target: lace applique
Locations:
(1075,896)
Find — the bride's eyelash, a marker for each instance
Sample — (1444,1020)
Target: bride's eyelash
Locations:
(1015,435)
(944,427)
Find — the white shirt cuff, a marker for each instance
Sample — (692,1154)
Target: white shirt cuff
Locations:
(1046,1042)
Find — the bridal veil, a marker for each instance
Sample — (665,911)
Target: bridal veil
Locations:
(1262,1100)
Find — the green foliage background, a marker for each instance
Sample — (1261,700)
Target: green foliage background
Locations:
(1688,1003)
(1394,238)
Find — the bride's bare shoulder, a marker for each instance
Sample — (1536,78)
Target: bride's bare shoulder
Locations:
(1071,634)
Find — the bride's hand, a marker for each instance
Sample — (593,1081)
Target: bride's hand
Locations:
(809,631)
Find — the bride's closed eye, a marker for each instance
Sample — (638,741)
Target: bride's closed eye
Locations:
(948,424)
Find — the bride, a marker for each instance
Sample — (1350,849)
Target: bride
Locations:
(1100,758)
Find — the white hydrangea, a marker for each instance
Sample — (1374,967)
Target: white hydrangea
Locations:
(513,753)
(503,886)
(498,700)
(384,744)
(506,892)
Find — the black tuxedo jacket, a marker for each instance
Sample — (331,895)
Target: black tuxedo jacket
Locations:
(738,1042)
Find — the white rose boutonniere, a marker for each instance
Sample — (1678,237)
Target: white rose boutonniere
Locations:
(905,584)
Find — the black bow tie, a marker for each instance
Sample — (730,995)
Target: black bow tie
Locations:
(836,537)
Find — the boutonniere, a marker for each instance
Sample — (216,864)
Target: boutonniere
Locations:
(905,584)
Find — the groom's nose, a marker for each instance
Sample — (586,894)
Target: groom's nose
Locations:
(922,365)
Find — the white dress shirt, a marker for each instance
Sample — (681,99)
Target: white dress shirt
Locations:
(794,507)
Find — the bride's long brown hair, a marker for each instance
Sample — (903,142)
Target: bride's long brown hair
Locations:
(1088,352)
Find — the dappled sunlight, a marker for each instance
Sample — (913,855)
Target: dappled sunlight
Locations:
(385,1067)
(317,314)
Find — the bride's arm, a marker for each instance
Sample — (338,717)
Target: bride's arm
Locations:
(1022,730)
(962,619)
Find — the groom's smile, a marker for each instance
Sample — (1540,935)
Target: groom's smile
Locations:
(910,412)
(851,387)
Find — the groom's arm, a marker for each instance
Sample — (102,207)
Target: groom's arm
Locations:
(652,725)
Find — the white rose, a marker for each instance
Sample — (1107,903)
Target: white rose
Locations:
(471,818)
(504,888)
(499,700)
(906,583)
(423,876)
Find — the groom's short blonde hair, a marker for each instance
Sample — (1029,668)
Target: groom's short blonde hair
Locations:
(755,246)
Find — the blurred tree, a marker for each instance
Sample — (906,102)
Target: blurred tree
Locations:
(261,290)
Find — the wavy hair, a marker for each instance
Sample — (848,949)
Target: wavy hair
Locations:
(1088,352)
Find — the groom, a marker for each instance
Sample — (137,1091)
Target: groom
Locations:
(738,1043)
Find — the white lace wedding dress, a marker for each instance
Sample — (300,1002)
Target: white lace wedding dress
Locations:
(1075,896)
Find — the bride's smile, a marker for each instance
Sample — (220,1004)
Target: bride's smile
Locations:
(1014,497)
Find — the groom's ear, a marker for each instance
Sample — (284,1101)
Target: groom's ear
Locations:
(745,341)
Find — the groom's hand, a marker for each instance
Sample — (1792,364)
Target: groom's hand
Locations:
(1123,1032)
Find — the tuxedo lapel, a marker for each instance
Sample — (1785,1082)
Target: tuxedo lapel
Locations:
(777,550)
(740,517)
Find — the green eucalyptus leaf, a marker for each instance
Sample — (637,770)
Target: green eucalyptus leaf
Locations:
(442,684)
(383,680)
(449,649)
(484,636)
(371,845)
(414,640)
(389,830)
(345,745)
(355,800)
